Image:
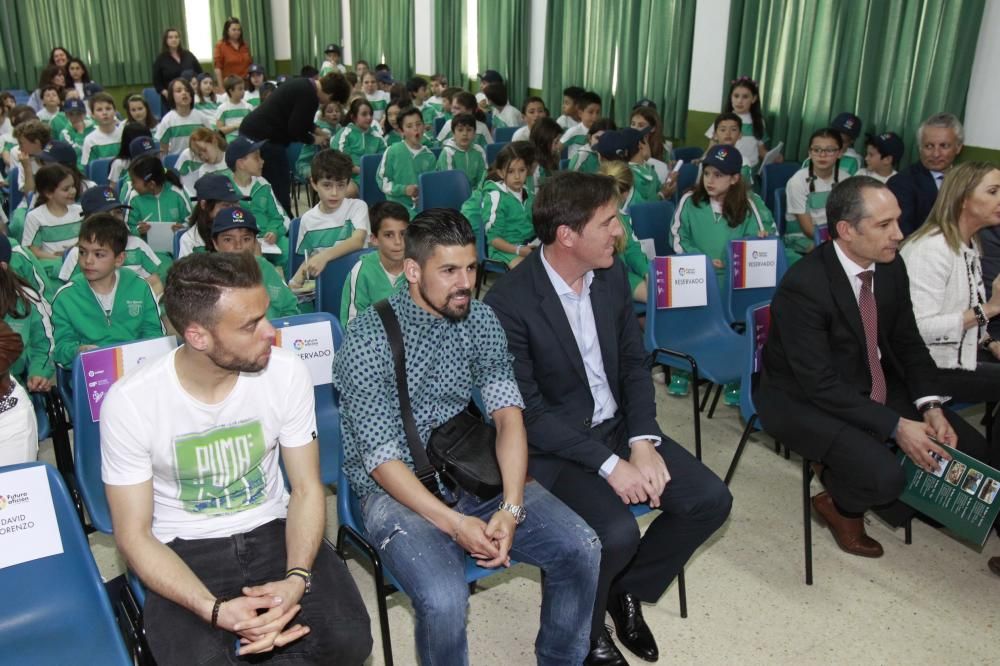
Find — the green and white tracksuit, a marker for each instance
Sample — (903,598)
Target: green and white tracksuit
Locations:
(319,230)
(401,167)
(76,139)
(283,301)
(52,234)
(645,182)
(355,143)
(303,165)
(172,205)
(271,217)
(585,160)
(471,162)
(229,114)
(506,215)
(483,136)
(575,138)
(34,325)
(139,257)
(207,106)
(380,102)
(174,130)
(99,146)
(30,269)
(632,255)
(367,283)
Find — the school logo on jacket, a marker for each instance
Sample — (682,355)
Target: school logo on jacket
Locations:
(134,308)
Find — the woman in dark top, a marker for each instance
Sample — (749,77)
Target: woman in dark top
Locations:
(173,60)
(287,116)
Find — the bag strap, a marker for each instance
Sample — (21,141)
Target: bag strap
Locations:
(424,470)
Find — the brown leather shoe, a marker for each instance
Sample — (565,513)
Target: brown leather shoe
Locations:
(848,532)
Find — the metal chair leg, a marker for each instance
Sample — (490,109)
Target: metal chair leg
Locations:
(345,534)
(908,531)
(715,400)
(704,401)
(807,519)
(739,449)
(682,594)
(697,414)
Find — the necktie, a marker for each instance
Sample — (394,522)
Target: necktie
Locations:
(869,318)
(938,179)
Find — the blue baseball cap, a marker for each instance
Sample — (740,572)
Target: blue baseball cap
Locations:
(726,159)
(332,48)
(216,187)
(620,144)
(74,106)
(847,123)
(187,74)
(234,218)
(255,69)
(100,200)
(491,76)
(91,89)
(887,143)
(59,152)
(142,145)
(385,77)
(240,147)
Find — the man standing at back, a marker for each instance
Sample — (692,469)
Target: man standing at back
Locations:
(590,410)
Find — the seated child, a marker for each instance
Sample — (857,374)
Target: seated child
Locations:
(103,305)
(744,101)
(627,246)
(137,111)
(377,99)
(849,126)
(464,102)
(728,132)
(53,226)
(416,88)
(399,171)
(532,110)
(576,137)
(157,196)
(235,230)
(388,127)
(28,315)
(327,125)
(106,140)
(331,61)
(626,145)
(808,189)
(336,225)
(176,126)
(506,205)
(586,160)
(883,153)
(76,127)
(51,98)
(213,192)
(206,153)
(54,152)
(357,138)
(233,109)
(461,152)
(32,136)
(660,149)
(434,106)
(570,112)
(504,113)
(140,144)
(380,273)
(254,85)
(545,137)
(244,160)
(205,92)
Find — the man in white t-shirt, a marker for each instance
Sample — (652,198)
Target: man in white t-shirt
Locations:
(233,563)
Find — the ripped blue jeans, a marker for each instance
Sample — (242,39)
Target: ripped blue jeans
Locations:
(431,569)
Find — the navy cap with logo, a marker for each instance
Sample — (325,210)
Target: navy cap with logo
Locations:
(848,123)
(5,250)
(91,89)
(385,77)
(645,102)
(234,218)
(187,74)
(59,152)
(332,48)
(255,69)
(491,76)
(240,148)
(74,106)
(142,145)
(726,159)
(282,78)
(204,75)
(100,200)
(620,144)
(216,187)
(887,143)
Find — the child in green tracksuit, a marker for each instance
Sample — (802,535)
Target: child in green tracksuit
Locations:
(28,315)
(357,138)
(379,273)
(104,305)
(506,205)
(27,266)
(76,126)
(627,246)
(585,160)
(402,164)
(327,122)
(106,140)
(576,137)
(235,230)
(720,209)
(231,112)
(460,152)
(53,225)
(244,160)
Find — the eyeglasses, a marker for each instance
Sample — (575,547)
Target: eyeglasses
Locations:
(824,151)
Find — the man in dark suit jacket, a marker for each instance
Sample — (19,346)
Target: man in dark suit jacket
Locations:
(916,187)
(590,412)
(820,392)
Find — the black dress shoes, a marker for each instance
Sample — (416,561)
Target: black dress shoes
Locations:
(604,652)
(631,629)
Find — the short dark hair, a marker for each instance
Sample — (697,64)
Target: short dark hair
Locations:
(195,283)
(847,201)
(463,120)
(102,97)
(415,84)
(728,115)
(569,198)
(384,210)
(496,93)
(434,227)
(588,98)
(332,164)
(602,125)
(105,229)
(407,111)
(336,86)
(573,92)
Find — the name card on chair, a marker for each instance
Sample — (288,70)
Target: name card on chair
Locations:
(755,263)
(103,367)
(680,281)
(28,527)
(313,343)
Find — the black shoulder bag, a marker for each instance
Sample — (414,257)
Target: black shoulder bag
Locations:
(462,450)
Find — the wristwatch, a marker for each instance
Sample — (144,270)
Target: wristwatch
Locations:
(304,574)
(515,510)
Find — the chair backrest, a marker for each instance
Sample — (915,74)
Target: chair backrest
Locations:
(439,124)
(154,100)
(504,134)
(564,164)
(443,189)
(327,414)
(774,176)
(686,179)
(492,150)
(56,608)
(688,153)
(294,258)
(652,220)
(98,170)
(778,208)
(437,152)
(170,161)
(735,301)
(371,193)
(15,194)
(330,284)
(177,242)
(293,151)
(758,319)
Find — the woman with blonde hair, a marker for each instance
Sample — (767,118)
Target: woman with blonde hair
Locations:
(627,246)
(947,290)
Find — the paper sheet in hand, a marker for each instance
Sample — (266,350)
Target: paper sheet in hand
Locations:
(160,236)
(268,248)
(771,156)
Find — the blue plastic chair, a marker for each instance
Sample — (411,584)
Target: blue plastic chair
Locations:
(170,161)
(486,265)
(439,125)
(293,151)
(14,200)
(652,220)
(87,453)
(773,177)
(492,150)
(57,610)
(98,170)
(154,100)
(330,283)
(564,164)
(443,189)
(371,193)
(177,242)
(686,179)
(753,363)
(504,134)
(697,339)
(294,258)
(778,208)
(736,301)
(688,153)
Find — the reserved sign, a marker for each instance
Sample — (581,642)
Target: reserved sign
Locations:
(680,281)
(28,527)
(103,367)
(313,343)
(754,263)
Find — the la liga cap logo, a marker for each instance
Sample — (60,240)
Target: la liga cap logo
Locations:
(721,154)
(238,216)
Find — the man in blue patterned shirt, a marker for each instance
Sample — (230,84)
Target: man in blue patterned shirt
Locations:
(454,343)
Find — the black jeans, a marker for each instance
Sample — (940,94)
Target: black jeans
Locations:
(339,627)
(278,172)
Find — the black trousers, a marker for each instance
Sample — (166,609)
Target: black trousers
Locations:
(277,172)
(694,504)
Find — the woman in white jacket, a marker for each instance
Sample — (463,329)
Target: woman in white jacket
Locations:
(947,290)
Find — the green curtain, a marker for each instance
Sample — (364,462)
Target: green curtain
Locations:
(384,28)
(255,17)
(31,29)
(504,34)
(314,24)
(450,41)
(892,62)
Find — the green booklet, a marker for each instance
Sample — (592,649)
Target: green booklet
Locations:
(960,494)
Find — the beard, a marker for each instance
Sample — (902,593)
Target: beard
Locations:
(226,359)
(447,310)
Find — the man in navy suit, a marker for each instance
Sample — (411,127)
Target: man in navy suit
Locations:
(940,140)
(590,411)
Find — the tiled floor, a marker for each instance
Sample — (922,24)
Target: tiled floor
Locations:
(930,602)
